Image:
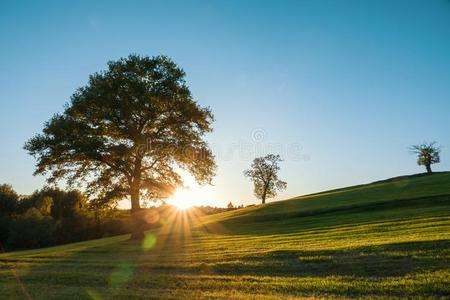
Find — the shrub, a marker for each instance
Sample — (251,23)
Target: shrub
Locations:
(4,227)
(31,230)
(8,200)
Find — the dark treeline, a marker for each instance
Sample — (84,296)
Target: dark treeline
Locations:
(51,216)
(209,210)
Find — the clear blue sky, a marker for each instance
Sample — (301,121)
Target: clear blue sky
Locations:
(352,83)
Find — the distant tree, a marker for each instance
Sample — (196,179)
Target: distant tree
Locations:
(427,154)
(124,134)
(45,205)
(8,200)
(264,174)
(230,206)
(66,204)
(55,202)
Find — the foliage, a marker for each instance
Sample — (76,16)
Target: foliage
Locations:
(4,230)
(264,174)
(125,132)
(31,230)
(8,200)
(55,202)
(51,216)
(427,154)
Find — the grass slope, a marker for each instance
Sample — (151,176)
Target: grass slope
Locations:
(388,239)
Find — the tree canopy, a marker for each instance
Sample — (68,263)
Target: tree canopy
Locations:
(264,174)
(126,132)
(427,154)
(8,199)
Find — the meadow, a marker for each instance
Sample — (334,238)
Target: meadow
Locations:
(388,239)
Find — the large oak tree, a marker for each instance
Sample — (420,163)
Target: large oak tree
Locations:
(126,133)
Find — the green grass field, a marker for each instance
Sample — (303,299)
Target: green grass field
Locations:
(389,239)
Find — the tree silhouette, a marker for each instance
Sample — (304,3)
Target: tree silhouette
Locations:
(427,154)
(126,132)
(230,206)
(264,174)
(8,200)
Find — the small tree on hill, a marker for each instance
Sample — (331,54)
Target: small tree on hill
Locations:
(427,154)
(264,174)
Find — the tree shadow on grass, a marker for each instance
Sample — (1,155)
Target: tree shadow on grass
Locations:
(123,268)
(289,222)
(375,261)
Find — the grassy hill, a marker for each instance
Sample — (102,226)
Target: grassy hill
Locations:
(387,239)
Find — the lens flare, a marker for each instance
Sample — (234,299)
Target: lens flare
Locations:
(149,241)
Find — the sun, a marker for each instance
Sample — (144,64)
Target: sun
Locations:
(182,199)
(191,194)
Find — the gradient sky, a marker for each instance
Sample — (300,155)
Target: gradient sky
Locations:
(339,88)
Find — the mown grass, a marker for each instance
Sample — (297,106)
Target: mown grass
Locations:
(384,240)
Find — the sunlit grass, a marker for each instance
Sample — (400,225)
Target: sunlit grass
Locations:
(389,250)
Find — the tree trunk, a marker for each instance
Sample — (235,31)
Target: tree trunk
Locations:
(137,222)
(97,223)
(429,171)
(264,195)
(137,230)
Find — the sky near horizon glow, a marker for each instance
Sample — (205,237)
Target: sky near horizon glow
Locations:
(340,89)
